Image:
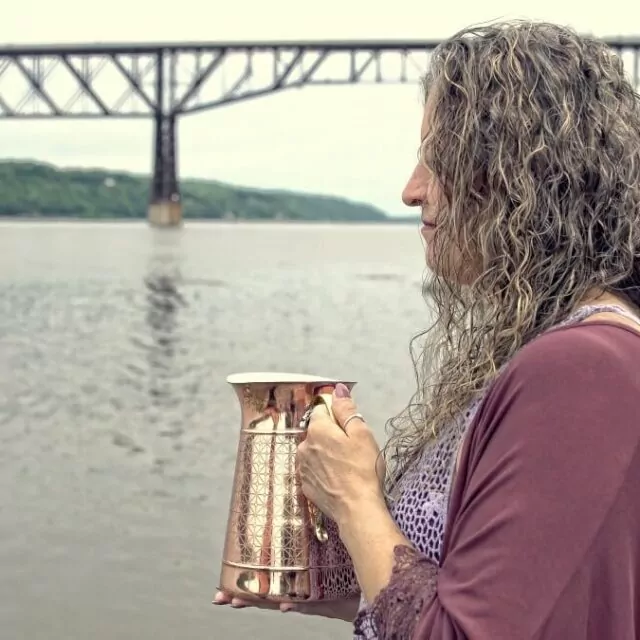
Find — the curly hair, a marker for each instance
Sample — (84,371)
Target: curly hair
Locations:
(534,142)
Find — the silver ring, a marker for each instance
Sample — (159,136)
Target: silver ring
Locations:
(351,417)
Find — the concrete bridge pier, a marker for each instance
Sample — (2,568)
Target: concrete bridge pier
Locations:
(165,203)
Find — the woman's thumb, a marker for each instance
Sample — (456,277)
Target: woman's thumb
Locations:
(343,405)
(341,391)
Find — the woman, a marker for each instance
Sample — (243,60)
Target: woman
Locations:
(510,510)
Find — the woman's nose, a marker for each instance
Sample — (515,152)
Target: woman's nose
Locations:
(413,194)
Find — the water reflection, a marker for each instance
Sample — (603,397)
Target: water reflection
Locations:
(164,302)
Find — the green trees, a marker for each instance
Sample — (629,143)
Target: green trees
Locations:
(32,188)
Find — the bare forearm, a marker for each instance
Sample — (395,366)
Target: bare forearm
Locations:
(370,535)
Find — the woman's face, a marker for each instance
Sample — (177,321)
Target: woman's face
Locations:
(423,190)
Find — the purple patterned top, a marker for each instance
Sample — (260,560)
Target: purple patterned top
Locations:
(420,511)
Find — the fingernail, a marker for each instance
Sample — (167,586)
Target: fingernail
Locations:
(341,391)
(217,599)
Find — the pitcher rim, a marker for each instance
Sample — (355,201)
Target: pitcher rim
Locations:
(280,377)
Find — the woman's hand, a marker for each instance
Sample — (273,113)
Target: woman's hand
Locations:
(341,472)
(339,466)
(341,609)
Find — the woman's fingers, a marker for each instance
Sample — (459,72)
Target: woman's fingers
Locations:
(222,598)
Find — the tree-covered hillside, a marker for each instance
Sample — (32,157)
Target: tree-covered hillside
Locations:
(38,189)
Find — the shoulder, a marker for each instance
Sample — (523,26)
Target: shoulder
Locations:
(568,383)
(584,353)
(567,402)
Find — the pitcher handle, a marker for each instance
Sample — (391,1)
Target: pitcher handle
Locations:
(316,516)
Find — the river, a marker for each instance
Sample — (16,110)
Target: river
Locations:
(117,428)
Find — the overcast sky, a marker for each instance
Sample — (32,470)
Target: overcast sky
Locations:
(357,141)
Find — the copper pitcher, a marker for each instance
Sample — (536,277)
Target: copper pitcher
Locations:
(278,546)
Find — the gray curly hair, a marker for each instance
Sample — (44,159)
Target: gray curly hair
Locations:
(535,144)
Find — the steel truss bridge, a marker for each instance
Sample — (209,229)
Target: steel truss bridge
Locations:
(167,81)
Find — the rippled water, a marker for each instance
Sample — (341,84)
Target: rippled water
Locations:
(117,429)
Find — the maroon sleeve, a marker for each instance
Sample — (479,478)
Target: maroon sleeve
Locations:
(537,517)
(396,609)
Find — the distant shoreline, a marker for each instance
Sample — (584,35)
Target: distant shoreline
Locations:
(220,221)
(32,190)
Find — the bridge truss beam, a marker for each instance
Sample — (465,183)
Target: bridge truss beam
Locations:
(122,81)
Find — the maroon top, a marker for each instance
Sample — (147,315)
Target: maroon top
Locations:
(543,530)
